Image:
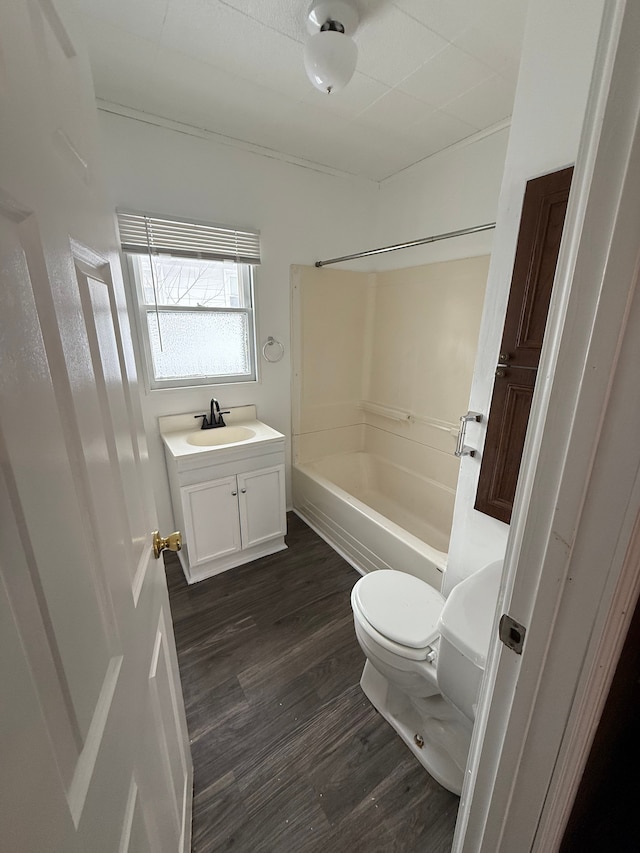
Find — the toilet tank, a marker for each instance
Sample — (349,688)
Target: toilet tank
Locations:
(465,629)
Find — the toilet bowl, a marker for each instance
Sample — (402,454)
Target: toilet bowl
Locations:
(425,660)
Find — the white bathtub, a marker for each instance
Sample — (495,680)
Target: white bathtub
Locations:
(376,514)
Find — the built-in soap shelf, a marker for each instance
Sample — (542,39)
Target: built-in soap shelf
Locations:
(404,415)
(385,411)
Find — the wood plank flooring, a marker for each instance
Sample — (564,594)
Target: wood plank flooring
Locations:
(289,755)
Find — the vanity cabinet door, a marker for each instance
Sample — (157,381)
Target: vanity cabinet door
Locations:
(262,505)
(212,526)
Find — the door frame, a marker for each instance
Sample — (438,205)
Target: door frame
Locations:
(578,500)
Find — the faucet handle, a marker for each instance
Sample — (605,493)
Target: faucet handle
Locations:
(204,420)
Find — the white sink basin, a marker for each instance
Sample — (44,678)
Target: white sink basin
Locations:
(189,446)
(219,436)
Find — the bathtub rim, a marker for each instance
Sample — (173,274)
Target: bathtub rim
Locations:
(436,557)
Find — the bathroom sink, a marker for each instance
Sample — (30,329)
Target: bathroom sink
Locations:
(219,436)
(191,447)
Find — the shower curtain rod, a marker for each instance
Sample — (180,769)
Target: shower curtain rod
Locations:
(409,245)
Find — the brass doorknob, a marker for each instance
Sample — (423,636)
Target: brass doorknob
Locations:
(172,542)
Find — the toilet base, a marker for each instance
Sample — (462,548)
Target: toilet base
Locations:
(414,727)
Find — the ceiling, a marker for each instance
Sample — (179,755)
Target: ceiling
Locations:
(430,73)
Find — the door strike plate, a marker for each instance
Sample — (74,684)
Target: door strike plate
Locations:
(512,633)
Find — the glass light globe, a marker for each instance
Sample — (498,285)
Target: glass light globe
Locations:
(330,60)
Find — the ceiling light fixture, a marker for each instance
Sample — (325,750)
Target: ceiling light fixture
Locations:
(330,55)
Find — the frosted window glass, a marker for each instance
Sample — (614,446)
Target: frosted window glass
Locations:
(199,343)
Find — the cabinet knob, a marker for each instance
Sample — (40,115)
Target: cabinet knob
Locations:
(244,491)
(234,494)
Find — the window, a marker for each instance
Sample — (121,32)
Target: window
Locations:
(195,302)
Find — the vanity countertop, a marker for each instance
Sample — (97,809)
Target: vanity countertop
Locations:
(182,436)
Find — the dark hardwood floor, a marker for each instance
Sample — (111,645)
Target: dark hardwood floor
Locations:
(289,755)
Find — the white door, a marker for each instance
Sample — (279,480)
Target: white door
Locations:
(573,561)
(93,739)
(262,505)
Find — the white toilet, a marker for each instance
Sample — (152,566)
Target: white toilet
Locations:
(425,659)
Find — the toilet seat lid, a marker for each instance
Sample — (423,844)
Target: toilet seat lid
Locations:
(400,607)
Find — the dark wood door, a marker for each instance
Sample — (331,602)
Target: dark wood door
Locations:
(541,224)
(605,812)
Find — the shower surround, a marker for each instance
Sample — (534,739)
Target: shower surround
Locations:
(382,371)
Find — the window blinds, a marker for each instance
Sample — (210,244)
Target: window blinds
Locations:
(141,233)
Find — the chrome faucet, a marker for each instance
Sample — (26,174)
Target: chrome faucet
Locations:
(215,416)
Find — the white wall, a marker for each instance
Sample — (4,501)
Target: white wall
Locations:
(456,188)
(555,74)
(302,214)
(425,336)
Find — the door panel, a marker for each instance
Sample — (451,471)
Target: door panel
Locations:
(210,512)
(81,599)
(95,290)
(543,213)
(135,836)
(28,746)
(23,594)
(166,711)
(44,487)
(510,408)
(262,505)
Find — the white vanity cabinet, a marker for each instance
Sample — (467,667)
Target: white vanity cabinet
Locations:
(231,514)
(261,498)
(211,520)
(229,501)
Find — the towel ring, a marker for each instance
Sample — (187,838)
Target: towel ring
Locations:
(270,342)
